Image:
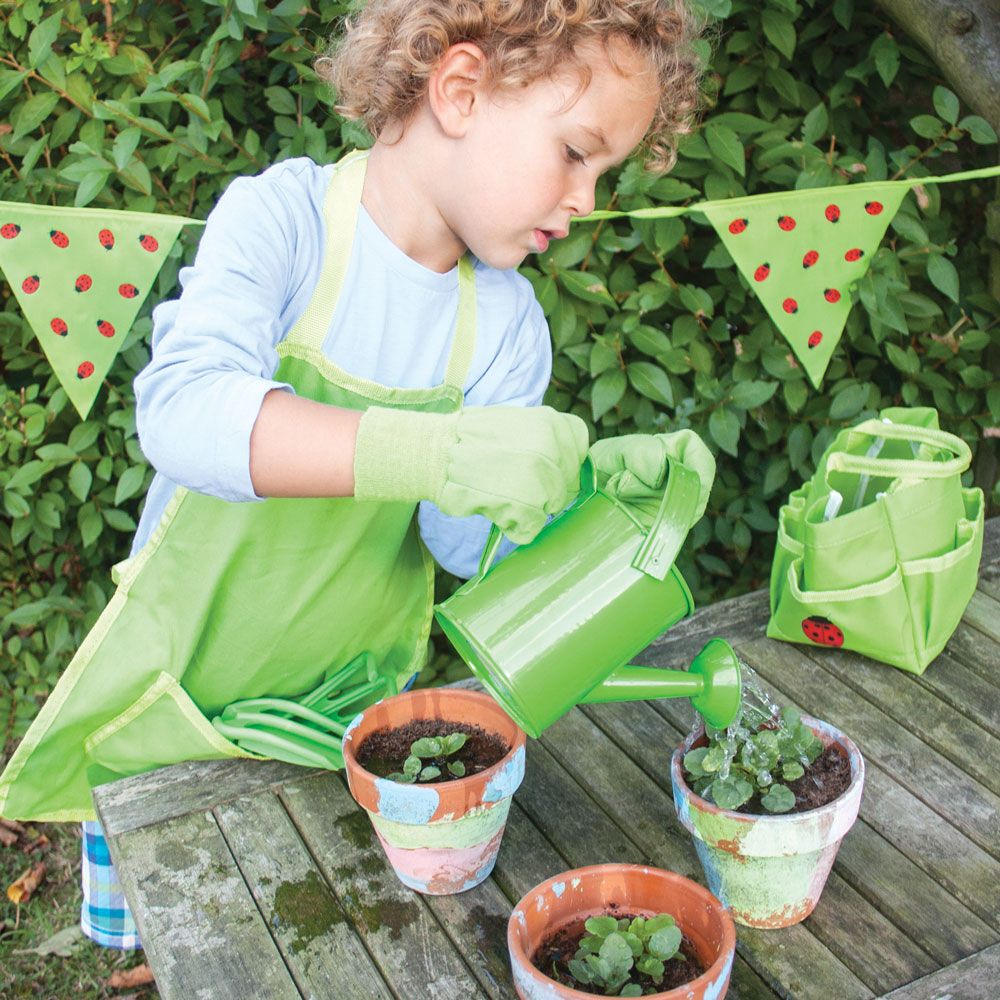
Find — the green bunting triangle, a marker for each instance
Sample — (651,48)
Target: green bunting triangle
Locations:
(80,276)
(803,252)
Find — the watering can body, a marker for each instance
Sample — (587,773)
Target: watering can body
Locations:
(552,625)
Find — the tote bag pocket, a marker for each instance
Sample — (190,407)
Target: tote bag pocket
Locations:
(164,726)
(939,589)
(873,618)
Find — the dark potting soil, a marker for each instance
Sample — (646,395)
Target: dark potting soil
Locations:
(553,956)
(825,779)
(384,751)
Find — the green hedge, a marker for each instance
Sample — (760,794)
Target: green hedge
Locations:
(652,326)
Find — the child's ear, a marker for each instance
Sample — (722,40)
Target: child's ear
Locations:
(455,86)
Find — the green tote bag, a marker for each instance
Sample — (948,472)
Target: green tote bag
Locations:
(879,551)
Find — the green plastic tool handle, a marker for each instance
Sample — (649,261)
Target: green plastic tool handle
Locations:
(279,747)
(673,519)
(892,468)
(269,722)
(271,707)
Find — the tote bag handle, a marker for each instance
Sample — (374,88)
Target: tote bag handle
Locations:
(893,468)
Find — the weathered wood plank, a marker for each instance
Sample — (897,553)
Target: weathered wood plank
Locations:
(867,861)
(203,936)
(974,978)
(967,804)
(965,690)
(189,787)
(793,963)
(323,953)
(977,651)
(400,933)
(923,835)
(881,955)
(983,613)
(968,746)
(991,543)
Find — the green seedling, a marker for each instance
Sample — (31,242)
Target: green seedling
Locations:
(613,947)
(755,755)
(428,755)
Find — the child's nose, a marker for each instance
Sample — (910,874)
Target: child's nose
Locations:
(580,197)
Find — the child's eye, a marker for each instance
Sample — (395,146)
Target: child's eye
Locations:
(575,155)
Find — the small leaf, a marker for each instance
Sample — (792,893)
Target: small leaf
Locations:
(848,402)
(724,429)
(80,479)
(665,942)
(652,381)
(943,275)
(725,144)
(454,742)
(779,798)
(429,773)
(429,746)
(607,391)
(979,129)
(600,926)
(731,793)
(946,104)
(129,484)
(750,395)
(779,31)
(457,768)
(927,126)
(412,765)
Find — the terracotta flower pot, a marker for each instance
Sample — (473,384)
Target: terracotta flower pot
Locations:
(440,838)
(769,870)
(574,896)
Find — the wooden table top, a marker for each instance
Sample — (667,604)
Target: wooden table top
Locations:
(260,879)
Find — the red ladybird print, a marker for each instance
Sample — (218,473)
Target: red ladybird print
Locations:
(831,295)
(30,284)
(790,306)
(60,239)
(854,254)
(762,272)
(786,222)
(832,213)
(83,283)
(873,207)
(85,370)
(59,327)
(149,243)
(9,230)
(128,291)
(104,328)
(814,338)
(810,258)
(822,631)
(106,238)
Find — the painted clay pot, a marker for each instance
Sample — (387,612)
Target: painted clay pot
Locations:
(769,870)
(572,897)
(440,838)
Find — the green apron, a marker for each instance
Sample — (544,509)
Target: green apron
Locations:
(240,600)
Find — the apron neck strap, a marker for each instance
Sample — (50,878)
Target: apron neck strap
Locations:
(340,213)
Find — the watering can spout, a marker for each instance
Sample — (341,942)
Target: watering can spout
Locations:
(712,682)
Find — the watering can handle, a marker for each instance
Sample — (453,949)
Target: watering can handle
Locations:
(588,487)
(673,519)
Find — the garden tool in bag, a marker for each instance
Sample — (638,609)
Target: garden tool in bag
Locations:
(879,551)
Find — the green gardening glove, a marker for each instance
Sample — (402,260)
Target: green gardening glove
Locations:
(633,467)
(514,464)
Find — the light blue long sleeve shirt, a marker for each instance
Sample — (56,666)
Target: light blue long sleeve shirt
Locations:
(258,262)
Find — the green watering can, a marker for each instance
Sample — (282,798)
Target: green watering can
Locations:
(554,624)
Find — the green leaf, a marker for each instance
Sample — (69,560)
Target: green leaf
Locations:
(454,742)
(815,124)
(129,484)
(906,361)
(90,187)
(886,54)
(724,429)
(41,38)
(429,773)
(750,395)
(980,130)
(943,275)
(779,798)
(457,768)
(118,519)
(732,792)
(652,381)
(15,504)
(600,926)
(665,942)
(725,144)
(946,104)
(927,126)
(29,115)
(412,766)
(607,392)
(26,475)
(779,31)
(280,100)
(428,746)
(849,402)
(586,286)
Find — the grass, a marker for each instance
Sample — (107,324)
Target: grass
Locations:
(83,971)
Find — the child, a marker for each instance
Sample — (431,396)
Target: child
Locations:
(353,343)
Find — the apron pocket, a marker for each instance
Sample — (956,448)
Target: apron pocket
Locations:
(162,727)
(872,619)
(940,588)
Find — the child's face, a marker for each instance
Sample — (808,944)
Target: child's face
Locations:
(531,158)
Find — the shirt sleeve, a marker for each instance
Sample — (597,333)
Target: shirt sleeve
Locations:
(518,377)
(214,349)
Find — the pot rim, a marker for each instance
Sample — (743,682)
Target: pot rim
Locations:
(458,787)
(818,726)
(727,948)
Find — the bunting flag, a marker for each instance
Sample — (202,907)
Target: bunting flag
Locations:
(803,252)
(80,276)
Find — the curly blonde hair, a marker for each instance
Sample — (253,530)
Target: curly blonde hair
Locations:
(380,65)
